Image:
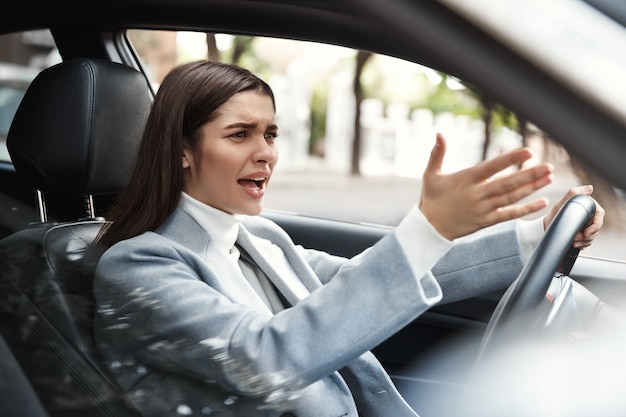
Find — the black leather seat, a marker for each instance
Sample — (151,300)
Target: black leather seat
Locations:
(77,131)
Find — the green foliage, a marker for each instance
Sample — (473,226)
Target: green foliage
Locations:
(318,117)
(503,117)
(241,52)
(445,99)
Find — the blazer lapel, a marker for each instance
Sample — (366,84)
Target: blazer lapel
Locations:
(273,263)
(181,228)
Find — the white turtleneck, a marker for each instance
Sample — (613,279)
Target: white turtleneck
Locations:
(223,229)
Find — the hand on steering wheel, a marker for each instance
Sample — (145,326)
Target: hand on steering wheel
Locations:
(529,289)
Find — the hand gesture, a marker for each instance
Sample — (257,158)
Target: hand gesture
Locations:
(463,202)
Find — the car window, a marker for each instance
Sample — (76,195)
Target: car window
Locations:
(22,56)
(402,106)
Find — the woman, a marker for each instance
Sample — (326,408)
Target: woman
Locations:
(205,308)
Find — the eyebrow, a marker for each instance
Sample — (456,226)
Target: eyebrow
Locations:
(243,125)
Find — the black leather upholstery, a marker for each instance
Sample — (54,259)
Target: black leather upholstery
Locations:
(46,317)
(75,127)
(77,130)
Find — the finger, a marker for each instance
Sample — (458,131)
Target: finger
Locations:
(486,169)
(519,193)
(581,241)
(587,235)
(523,182)
(435,161)
(596,224)
(517,210)
(579,244)
(585,238)
(583,189)
(592,230)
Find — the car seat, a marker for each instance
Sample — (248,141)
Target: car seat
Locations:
(76,131)
(17,396)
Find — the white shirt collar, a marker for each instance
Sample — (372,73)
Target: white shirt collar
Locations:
(221,226)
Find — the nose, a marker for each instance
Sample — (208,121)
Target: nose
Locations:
(265,150)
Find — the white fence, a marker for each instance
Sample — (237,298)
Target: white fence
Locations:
(395,140)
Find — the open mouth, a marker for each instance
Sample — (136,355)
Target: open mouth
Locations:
(252,182)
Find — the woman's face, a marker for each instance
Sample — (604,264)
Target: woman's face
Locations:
(237,155)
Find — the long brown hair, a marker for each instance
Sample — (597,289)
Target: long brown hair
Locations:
(188,98)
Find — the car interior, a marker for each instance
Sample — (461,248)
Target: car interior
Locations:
(47,281)
(74,138)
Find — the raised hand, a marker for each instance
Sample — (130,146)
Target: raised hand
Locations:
(463,202)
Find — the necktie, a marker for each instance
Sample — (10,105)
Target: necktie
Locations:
(260,282)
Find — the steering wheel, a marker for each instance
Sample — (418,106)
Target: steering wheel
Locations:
(517,312)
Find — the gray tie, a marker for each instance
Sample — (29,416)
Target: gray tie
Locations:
(259,281)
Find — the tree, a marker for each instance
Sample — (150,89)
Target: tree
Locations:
(361,59)
(241,44)
(213,54)
(493,114)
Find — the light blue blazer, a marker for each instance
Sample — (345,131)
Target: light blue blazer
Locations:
(185,336)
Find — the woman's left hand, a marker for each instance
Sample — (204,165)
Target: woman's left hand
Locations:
(584,238)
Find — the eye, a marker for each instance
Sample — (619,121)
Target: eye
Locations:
(271,135)
(241,134)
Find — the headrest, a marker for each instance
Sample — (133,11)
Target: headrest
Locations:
(79,126)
